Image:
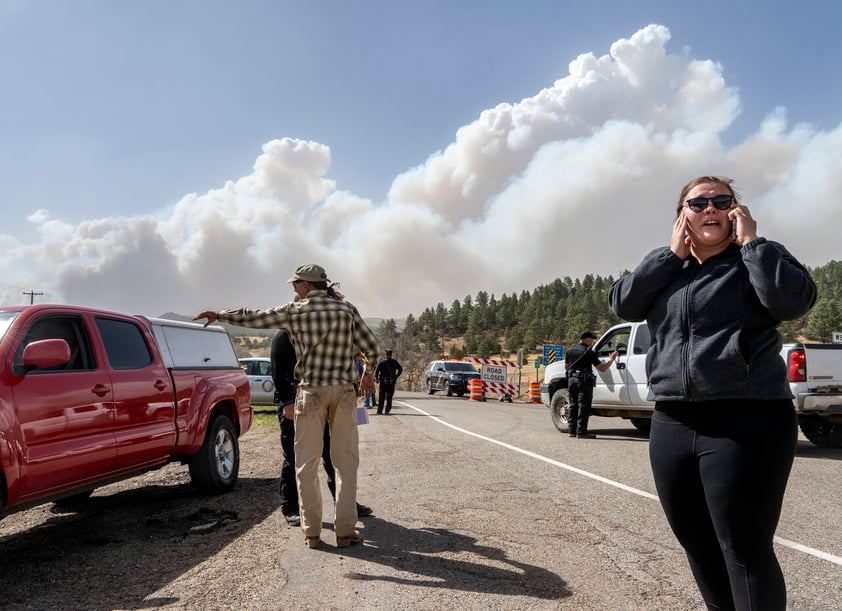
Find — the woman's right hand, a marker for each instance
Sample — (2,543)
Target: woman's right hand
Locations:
(680,241)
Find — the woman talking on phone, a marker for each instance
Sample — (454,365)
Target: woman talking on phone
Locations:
(724,429)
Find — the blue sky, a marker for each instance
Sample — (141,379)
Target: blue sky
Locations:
(123,122)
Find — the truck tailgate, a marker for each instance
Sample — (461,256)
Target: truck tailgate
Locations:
(824,367)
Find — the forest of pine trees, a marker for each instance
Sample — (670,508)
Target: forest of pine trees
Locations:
(486,325)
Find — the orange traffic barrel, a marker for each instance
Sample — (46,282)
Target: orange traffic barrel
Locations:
(534,392)
(476,390)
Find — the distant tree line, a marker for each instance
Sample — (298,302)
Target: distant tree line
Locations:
(485,325)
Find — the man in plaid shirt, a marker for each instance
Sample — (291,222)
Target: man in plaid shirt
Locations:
(324,328)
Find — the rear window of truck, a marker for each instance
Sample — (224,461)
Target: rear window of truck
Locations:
(124,344)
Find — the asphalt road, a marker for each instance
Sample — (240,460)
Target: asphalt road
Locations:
(476,506)
(487,506)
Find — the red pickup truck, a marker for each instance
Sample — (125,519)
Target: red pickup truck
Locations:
(88,397)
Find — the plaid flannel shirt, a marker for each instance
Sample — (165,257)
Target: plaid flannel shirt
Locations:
(324,332)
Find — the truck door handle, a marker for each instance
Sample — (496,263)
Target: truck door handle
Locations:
(621,365)
(100,390)
(159,385)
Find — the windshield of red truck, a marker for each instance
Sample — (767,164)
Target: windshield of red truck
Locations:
(6,319)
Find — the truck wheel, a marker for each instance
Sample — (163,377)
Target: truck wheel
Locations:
(560,410)
(821,432)
(447,389)
(214,468)
(641,424)
(429,386)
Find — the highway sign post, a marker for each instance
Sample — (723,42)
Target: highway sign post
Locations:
(552,353)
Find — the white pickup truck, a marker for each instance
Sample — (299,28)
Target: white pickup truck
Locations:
(814,370)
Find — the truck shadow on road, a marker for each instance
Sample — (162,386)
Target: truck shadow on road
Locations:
(619,434)
(442,558)
(805,449)
(120,548)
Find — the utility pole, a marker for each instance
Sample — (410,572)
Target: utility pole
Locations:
(32,296)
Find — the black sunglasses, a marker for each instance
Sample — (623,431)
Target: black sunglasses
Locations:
(700,204)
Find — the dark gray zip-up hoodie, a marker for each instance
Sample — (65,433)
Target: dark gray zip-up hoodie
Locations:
(713,325)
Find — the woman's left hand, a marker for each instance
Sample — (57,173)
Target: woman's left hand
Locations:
(746,226)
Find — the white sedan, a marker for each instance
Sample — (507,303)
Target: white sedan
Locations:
(259,372)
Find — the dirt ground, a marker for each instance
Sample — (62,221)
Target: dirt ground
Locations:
(150,542)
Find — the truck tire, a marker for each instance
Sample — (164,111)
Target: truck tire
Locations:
(560,410)
(215,467)
(447,389)
(821,432)
(429,386)
(641,424)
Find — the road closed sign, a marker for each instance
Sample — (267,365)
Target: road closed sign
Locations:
(493,373)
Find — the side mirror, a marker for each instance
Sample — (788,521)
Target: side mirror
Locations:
(45,353)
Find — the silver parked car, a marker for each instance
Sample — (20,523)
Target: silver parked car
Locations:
(259,372)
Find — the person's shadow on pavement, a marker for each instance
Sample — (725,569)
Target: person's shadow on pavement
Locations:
(442,558)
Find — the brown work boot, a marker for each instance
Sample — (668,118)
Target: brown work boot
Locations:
(347,540)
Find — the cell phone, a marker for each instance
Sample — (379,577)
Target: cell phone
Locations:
(733,231)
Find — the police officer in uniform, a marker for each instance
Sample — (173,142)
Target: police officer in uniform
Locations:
(386,374)
(580,382)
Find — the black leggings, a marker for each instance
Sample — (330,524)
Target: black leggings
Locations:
(721,469)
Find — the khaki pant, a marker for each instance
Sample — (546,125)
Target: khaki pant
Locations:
(336,405)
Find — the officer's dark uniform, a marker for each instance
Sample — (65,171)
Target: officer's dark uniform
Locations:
(387,373)
(579,361)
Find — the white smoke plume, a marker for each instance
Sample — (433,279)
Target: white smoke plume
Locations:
(582,178)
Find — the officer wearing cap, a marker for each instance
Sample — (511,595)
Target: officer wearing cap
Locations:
(580,381)
(327,332)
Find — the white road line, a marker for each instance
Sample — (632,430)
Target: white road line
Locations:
(647,495)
